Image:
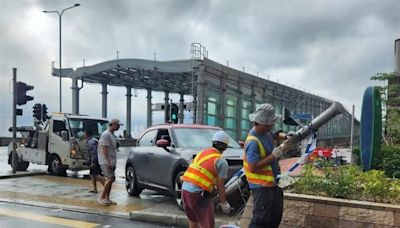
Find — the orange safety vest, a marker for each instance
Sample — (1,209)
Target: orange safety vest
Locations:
(263,176)
(202,171)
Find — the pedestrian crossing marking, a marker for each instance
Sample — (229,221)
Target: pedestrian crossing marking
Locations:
(47,219)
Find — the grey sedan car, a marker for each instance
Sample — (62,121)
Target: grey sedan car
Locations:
(164,152)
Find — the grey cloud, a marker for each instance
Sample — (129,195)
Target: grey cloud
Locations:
(335,46)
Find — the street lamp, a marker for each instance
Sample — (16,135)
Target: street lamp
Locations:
(59,15)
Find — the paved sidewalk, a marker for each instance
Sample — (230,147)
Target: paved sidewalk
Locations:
(72,194)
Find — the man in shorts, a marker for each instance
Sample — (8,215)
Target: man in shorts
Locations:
(206,174)
(93,161)
(107,154)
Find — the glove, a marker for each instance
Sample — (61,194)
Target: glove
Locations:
(277,152)
(226,208)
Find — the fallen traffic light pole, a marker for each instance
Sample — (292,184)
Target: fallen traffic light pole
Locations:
(237,190)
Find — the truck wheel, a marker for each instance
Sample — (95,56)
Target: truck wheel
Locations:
(131,182)
(21,165)
(56,167)
(178,189)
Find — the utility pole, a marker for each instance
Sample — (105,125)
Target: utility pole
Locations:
(59,30)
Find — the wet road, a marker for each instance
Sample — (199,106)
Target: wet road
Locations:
(21,216)
(72,194)
(5,169)
(73,190)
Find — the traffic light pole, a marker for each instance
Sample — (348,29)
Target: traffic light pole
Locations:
(14,123)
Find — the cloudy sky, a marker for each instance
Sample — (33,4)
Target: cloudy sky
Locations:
(324,47)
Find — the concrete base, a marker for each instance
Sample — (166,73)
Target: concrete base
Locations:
(316,211)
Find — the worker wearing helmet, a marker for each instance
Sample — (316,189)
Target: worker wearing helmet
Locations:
(207,172)
(260,164)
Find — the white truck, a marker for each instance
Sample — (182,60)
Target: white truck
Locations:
(58,143)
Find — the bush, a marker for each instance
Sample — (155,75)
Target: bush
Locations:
(389,161)
(342,182)
(309,183)
(347,182)
(376,185)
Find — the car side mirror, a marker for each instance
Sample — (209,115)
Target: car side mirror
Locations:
(241,143)
(162,143)
(64,135)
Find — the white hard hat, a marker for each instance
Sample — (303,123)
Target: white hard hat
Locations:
(221,136)
(265,114)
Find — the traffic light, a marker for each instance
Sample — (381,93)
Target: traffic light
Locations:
(44,113)
(174,113)
(22,88)
(37,111)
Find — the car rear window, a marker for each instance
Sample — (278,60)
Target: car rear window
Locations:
(198,137)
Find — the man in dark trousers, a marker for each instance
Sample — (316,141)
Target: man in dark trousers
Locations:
(261,168)
(93,161)
(207,171)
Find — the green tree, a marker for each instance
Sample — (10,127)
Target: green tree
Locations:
(391,101)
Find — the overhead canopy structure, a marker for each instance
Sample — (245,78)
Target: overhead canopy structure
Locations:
(168,76)
(138,73)
(222,96)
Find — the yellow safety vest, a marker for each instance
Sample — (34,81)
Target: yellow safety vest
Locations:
(263,176)
(202,171)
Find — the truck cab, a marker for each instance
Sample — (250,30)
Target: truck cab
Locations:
(59,143)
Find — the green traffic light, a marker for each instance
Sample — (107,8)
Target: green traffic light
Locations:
(173,117)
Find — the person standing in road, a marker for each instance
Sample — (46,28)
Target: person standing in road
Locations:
(260,164)
(93,161)
(207,171)
(107,154)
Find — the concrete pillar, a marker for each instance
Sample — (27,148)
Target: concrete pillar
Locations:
(128,111)
(75,96)
(253,99)
(149,110)
(181,109)
(200,99)
(166,111)
(222,100)
(194,111)
(104,100)
(239,113)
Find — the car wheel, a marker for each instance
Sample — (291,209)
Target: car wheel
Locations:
(56,167)
(131,182)
(178,189)
(21,165)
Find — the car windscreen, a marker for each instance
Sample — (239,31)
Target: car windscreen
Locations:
(78,127)
(198,137)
